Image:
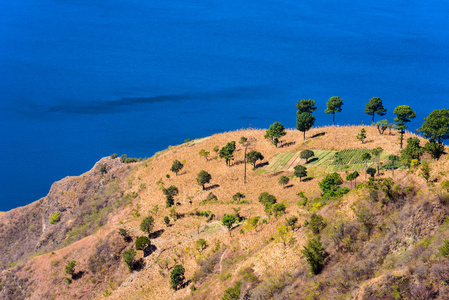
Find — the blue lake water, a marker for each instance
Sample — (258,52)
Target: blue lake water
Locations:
(82,79)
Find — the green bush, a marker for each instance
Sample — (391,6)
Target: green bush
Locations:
(55,218)
(70,268)
(444,250)
(177,277)
(147,224)
(314,253)
(232,293)
(128,258)
(142,242)
(114,156)
(316,223)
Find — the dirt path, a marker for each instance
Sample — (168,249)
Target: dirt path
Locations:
(221,259)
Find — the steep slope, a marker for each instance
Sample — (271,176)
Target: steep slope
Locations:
(266,260)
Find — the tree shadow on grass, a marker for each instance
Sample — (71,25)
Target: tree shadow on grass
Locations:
(287,144)
(208,188)
(312,160)
(307,179)
(138,265)
(156,234)
(288,186)
(318,134)
(149,250)
(263,164)
(78,275)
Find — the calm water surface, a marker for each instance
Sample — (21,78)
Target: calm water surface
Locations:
(83,79)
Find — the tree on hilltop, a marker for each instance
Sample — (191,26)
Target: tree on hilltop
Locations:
(304,122)
(306,154)
(375,107)
(305,105)
(334,105)
(176,167)
(300,171)
(275,132)
(203,178)
(253,156)
(404,114)
(436,125)
(227,152)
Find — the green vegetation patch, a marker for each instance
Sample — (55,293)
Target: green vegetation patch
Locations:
(278,162)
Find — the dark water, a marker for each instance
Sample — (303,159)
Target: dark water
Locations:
(84,79)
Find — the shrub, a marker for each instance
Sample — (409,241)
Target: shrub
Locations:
(124,233)
(238,196)
(279,209)
(142,242)
(147,224)
(103,169)
(291,222)
(166,220)
(114,156)
(55,218)
(232,293)
(314,253)
(267,198)
(200,245)
(123,158)
(330,182)
(128,258)
(283,180)
(444,250)
(316,223)
(177,277)
(70,268)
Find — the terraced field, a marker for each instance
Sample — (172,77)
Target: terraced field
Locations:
(324,160)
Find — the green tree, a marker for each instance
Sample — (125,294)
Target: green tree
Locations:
(70,268)
(352,176)
(425,170)
(375,107)
(204,154)
(177,277)
(227,152)
(334,105)
(267,198)
(125,234)
(253,156)
(376,153)
(304,122)
(275,132)
(404,114)
(279,209)
(283,234)
(362,135)
(166,220)
(252,223)
(283,180)
(243,140)
(200,245)
(228,221)
(413,150)
(238,196)
(305,105)
(232,293)
(300,171)
(436,125)
(147,224)
(434,149)
(170,194)
(366,157)
(315,254)
(203,178)
(393,159)
(128,258)
(306,154)
(291,222)
(55,218)
(176,167)
(331,182)
(142,242)
(382,126)
(316,223)
(371,172)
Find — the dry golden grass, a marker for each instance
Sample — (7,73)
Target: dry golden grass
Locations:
(265,257)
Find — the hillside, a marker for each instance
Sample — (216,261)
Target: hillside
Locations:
(381,240)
